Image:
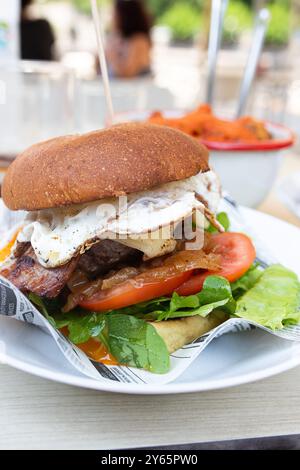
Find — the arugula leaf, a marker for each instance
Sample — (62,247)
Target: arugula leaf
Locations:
(215,288)
(136,343)
(82,328)
(247,281)
(223,219)
(216,293)
(274,301)
(39,302)
(82,325)
(130,340)
(202,310)
(178,302)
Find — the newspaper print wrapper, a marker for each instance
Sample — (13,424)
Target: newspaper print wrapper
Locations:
(14,304)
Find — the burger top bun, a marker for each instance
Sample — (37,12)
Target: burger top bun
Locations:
(107,163)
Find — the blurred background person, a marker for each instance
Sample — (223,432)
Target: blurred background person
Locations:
(129,44)
(36,36)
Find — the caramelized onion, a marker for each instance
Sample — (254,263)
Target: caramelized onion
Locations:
(80,288)
(119,277)
(77,281)
(182,261)
(158,269)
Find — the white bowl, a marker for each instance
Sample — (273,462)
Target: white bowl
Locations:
(247,170)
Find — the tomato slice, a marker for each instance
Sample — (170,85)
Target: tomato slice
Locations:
(236,251)
(130,293)
(237,254)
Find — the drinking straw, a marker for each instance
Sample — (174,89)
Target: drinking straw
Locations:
(261,24)
(218,10)
(102,59)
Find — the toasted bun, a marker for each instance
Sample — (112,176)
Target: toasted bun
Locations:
(112,162)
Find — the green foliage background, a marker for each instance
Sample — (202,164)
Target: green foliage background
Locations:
(184,18)
(280,25)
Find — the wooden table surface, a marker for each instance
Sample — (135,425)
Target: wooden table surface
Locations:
(36,413)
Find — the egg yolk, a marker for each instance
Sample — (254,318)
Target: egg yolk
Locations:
(95,350)
(6,251)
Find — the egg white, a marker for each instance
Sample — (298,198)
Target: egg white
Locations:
(57,235)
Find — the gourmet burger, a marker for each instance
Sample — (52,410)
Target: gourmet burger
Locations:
(103,251)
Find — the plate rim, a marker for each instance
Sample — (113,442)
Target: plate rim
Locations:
(170,388)
(146,389)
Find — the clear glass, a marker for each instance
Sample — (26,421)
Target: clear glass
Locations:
(36,103)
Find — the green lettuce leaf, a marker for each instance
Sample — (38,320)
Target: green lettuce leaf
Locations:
(274,299)
(247,281)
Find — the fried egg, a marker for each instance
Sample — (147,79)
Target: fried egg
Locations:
(57,235)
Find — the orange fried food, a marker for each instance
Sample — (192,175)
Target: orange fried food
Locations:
(204,124)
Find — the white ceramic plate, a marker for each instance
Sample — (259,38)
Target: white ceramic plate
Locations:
(288,191)
(230,360)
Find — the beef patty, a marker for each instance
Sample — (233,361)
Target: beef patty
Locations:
(107,255)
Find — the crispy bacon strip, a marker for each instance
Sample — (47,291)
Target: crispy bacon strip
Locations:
(28,275)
